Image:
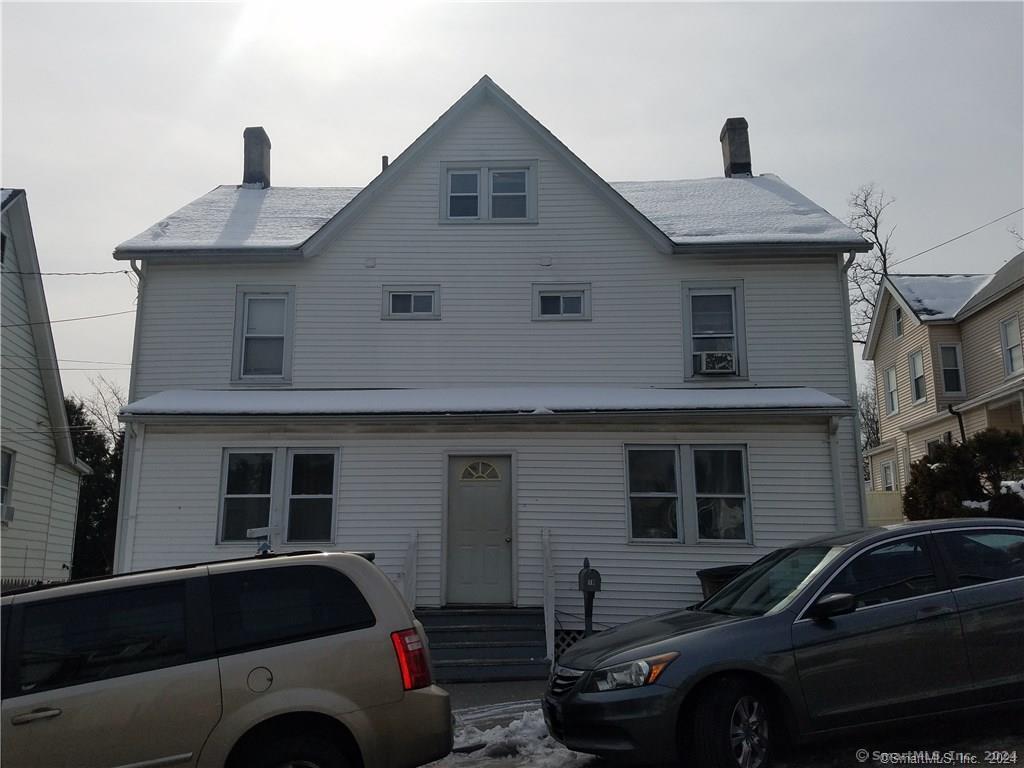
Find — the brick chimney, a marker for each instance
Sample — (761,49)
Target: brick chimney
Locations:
(735,147)
(256,170)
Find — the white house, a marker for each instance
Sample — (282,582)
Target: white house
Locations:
(488,364)
(39,487)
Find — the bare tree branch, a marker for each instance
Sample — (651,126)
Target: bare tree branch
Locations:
(868,206)
(104,404)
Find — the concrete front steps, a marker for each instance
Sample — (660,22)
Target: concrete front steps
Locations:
(481,644)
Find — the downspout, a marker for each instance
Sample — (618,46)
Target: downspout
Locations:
(858,450)
(960,421)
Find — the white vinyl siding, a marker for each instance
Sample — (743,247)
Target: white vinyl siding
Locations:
(572,483)
(1013,353)
(951,362)
(892,395)
(918,391)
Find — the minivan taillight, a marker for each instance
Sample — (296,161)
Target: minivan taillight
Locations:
(412,659)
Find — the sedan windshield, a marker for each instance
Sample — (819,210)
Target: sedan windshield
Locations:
(770,584)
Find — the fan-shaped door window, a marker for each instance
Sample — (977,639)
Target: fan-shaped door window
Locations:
(480,470)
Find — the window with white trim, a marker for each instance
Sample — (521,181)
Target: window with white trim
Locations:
(561,301)
(1013,353)
(309,513)
(918,391)
(888,477)
(6,476)
(247,492)
(897,322)
(290,491)
(500,191)
(952,369)
(714,344)
(263,323)
(892,396)
(654,509)
(411,302)
(687,493)
(721,492)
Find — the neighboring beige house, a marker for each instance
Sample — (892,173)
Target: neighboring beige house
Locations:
(490,363)
(948,363)
(39,486)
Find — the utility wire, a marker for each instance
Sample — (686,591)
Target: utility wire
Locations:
(952,239)
(65,359)
(33,368)
(67,319)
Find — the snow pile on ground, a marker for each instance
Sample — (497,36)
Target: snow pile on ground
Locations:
(523,743)
(1008,486)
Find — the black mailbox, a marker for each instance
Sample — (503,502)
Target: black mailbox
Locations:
(590,578)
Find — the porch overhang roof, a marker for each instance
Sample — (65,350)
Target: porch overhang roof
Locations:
(531,402)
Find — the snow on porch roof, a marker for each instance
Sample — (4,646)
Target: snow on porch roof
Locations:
(473,400)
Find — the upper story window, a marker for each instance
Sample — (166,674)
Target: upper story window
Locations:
(714,342)
(917,382)
(499,192)
(561,301)
(1013,355)
(952,369)
(892,397)
(411,302)
(897,322)
(5,482)
(263,329)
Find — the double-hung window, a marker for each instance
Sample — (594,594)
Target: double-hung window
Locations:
(263,322)
(713,339)
(561,301)
(892,397)
(888,479)
(283,490)
(897,322)
(6,475)
(687,493)
(497,192)
(1013,353)
(917,383)
(411,302)
(952,369)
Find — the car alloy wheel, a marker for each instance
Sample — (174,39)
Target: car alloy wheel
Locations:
(748,733)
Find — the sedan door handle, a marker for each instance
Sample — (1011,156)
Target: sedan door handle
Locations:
(35,714)
(934,611)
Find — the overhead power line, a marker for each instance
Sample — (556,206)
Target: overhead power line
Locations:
(68,319)
(66,359)
(952,239)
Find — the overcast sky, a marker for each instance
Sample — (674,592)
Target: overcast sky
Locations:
(115,115)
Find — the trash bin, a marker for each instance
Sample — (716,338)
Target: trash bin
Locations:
(713,579)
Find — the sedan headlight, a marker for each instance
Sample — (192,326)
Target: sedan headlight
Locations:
(632,674)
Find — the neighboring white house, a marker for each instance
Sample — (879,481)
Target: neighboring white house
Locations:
(39,487)
(490,359)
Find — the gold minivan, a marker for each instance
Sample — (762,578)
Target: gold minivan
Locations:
(303,659)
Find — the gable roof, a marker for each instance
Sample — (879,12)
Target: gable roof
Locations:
(745,214)
(942,298)
(14,207)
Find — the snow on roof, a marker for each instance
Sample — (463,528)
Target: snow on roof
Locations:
(535,400)
(938,297)
(759,209)
(232,217)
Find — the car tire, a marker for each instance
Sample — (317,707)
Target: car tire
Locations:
(304,750)
(731,726)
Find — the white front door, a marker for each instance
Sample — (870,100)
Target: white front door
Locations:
(479,530)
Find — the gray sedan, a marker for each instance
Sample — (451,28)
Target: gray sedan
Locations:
(834,633)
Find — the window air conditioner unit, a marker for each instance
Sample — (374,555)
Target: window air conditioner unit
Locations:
(717,362)
(7,514)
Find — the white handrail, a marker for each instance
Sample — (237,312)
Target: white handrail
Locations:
(409,574)
(549,595)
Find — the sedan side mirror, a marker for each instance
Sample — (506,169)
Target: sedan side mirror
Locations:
(833,604)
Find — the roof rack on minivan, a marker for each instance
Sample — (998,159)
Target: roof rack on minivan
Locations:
(259,556)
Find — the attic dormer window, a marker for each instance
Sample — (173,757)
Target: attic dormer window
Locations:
(897,324)
(495,192)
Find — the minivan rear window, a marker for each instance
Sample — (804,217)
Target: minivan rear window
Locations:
(269,606)
(101,635)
